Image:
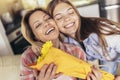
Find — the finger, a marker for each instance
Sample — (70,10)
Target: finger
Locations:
(43,71)
(88,77)
(34,48)
(35,72)
(38,49)
(117,78)
(49,71)
(57,75)
(92,76)
(96,72)
(53,72)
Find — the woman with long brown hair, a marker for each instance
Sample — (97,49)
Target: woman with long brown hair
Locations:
(99,37)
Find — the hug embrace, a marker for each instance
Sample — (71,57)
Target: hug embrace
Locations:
(69,31)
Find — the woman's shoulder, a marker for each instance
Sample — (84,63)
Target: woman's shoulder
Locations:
(28,56)
(113,40)
(92,39)
(28,53)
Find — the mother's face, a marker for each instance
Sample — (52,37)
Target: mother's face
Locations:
(66,19)
(44,28)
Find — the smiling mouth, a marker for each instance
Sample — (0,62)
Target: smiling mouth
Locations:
(50,30)
(69,25)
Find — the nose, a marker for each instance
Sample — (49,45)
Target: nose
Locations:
(46,24)
(66,18)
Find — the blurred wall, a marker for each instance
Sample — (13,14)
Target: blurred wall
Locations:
(8,5)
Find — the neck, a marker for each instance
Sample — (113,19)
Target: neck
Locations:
(73,36)
(56,43)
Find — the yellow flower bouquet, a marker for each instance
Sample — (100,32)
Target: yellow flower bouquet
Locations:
(66,63)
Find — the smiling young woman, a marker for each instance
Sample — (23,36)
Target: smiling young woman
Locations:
(99,36)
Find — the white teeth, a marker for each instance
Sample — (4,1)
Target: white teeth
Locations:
(51,29)
(69,25)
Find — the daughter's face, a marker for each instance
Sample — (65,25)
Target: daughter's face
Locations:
(43,26)
(66,19)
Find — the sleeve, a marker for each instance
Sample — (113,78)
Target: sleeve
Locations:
(117,47)
(93,48)
(90,58)
(114,47)
(25,72)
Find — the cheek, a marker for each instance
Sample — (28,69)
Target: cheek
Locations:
(60,28)
(38,34)
(75,18)
(60,23)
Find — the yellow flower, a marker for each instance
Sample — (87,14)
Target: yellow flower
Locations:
(45,48)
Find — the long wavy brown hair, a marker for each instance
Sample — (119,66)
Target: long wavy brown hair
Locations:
(100,26)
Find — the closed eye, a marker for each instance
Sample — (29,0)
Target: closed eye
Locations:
(59,18)
(71,11)
(38,25)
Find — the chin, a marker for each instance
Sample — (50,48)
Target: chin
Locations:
(72,32)
(53,37)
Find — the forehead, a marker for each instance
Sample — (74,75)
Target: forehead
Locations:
(61,7)
(37,14)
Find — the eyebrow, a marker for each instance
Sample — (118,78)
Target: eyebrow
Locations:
(35,22)
(69,9)
(57,14)
(45,16)
(38,20)
(60,13)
